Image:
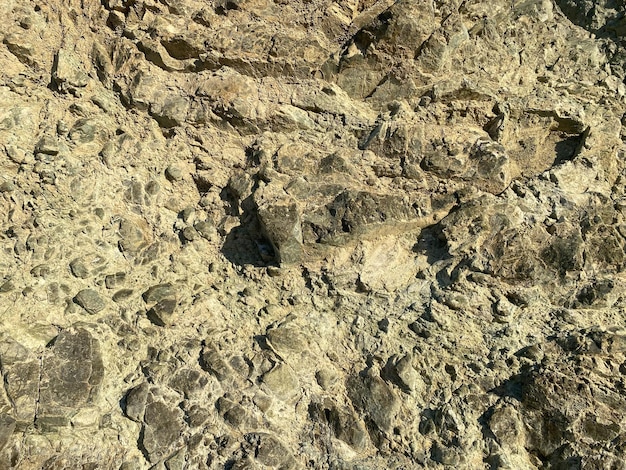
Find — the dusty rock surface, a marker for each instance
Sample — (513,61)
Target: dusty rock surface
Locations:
(264,234)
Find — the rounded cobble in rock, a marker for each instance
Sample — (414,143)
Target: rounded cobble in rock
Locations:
(173,173)
(122,294)
(205,229)
(161,314)
(152,188)
(187,213)
(6,286)
(190,234)
(326,378)
(159,292)
(79,269)
(6,187)
(90,300)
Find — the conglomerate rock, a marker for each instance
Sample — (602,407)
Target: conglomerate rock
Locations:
(260,234)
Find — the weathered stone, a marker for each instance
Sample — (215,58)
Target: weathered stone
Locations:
(68,74)
(6,187)
(71,377)
(132,237)
(205,229)
(90,300)
(162,430)
(344,423)
(190,234)
(7,286)
(162,312)
(122,294)
(233,413)
(79,269)
(326,378)
(173,173)
(401,371)
(7,426)
(287,339)
(83,131)
(281,224)
(158,293)
(282,381)
(387,230)
(114,280)
(269,451)
(188,381)
(212,361)
(375,397)
(48,145)
(135,404)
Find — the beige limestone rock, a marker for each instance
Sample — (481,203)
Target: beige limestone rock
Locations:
(352,234)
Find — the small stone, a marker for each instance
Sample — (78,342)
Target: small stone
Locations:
(269,451)
(83,131)
(212,361)
(281,381)
(187,213)
(6,187)
(79,269)
(197,415)
(90,300)
(190,234)
(158,293)
(7,426)
(48,146)
(161,314)
(205,229)
(114,280)
(68,74)
(326,378)
(16,155)
(71,376)
(62,128)
(162,429)
(262,401)
(136,402)
(281,223)
(132,237)
(152,188)
(173,173)
(122,294)
(177,461)
(274,271)
(287,339)
(131,464)
(41,270)
(376,398)
(188,381)
(233,413)
(6,286)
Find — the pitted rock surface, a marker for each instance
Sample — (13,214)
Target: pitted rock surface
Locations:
(258,234)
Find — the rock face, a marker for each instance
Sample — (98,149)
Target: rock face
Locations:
(259,234)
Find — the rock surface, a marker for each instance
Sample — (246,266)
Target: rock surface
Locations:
(259,234)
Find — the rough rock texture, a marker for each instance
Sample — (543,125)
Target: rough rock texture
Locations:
(260,234)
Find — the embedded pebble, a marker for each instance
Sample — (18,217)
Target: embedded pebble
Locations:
(90,300)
